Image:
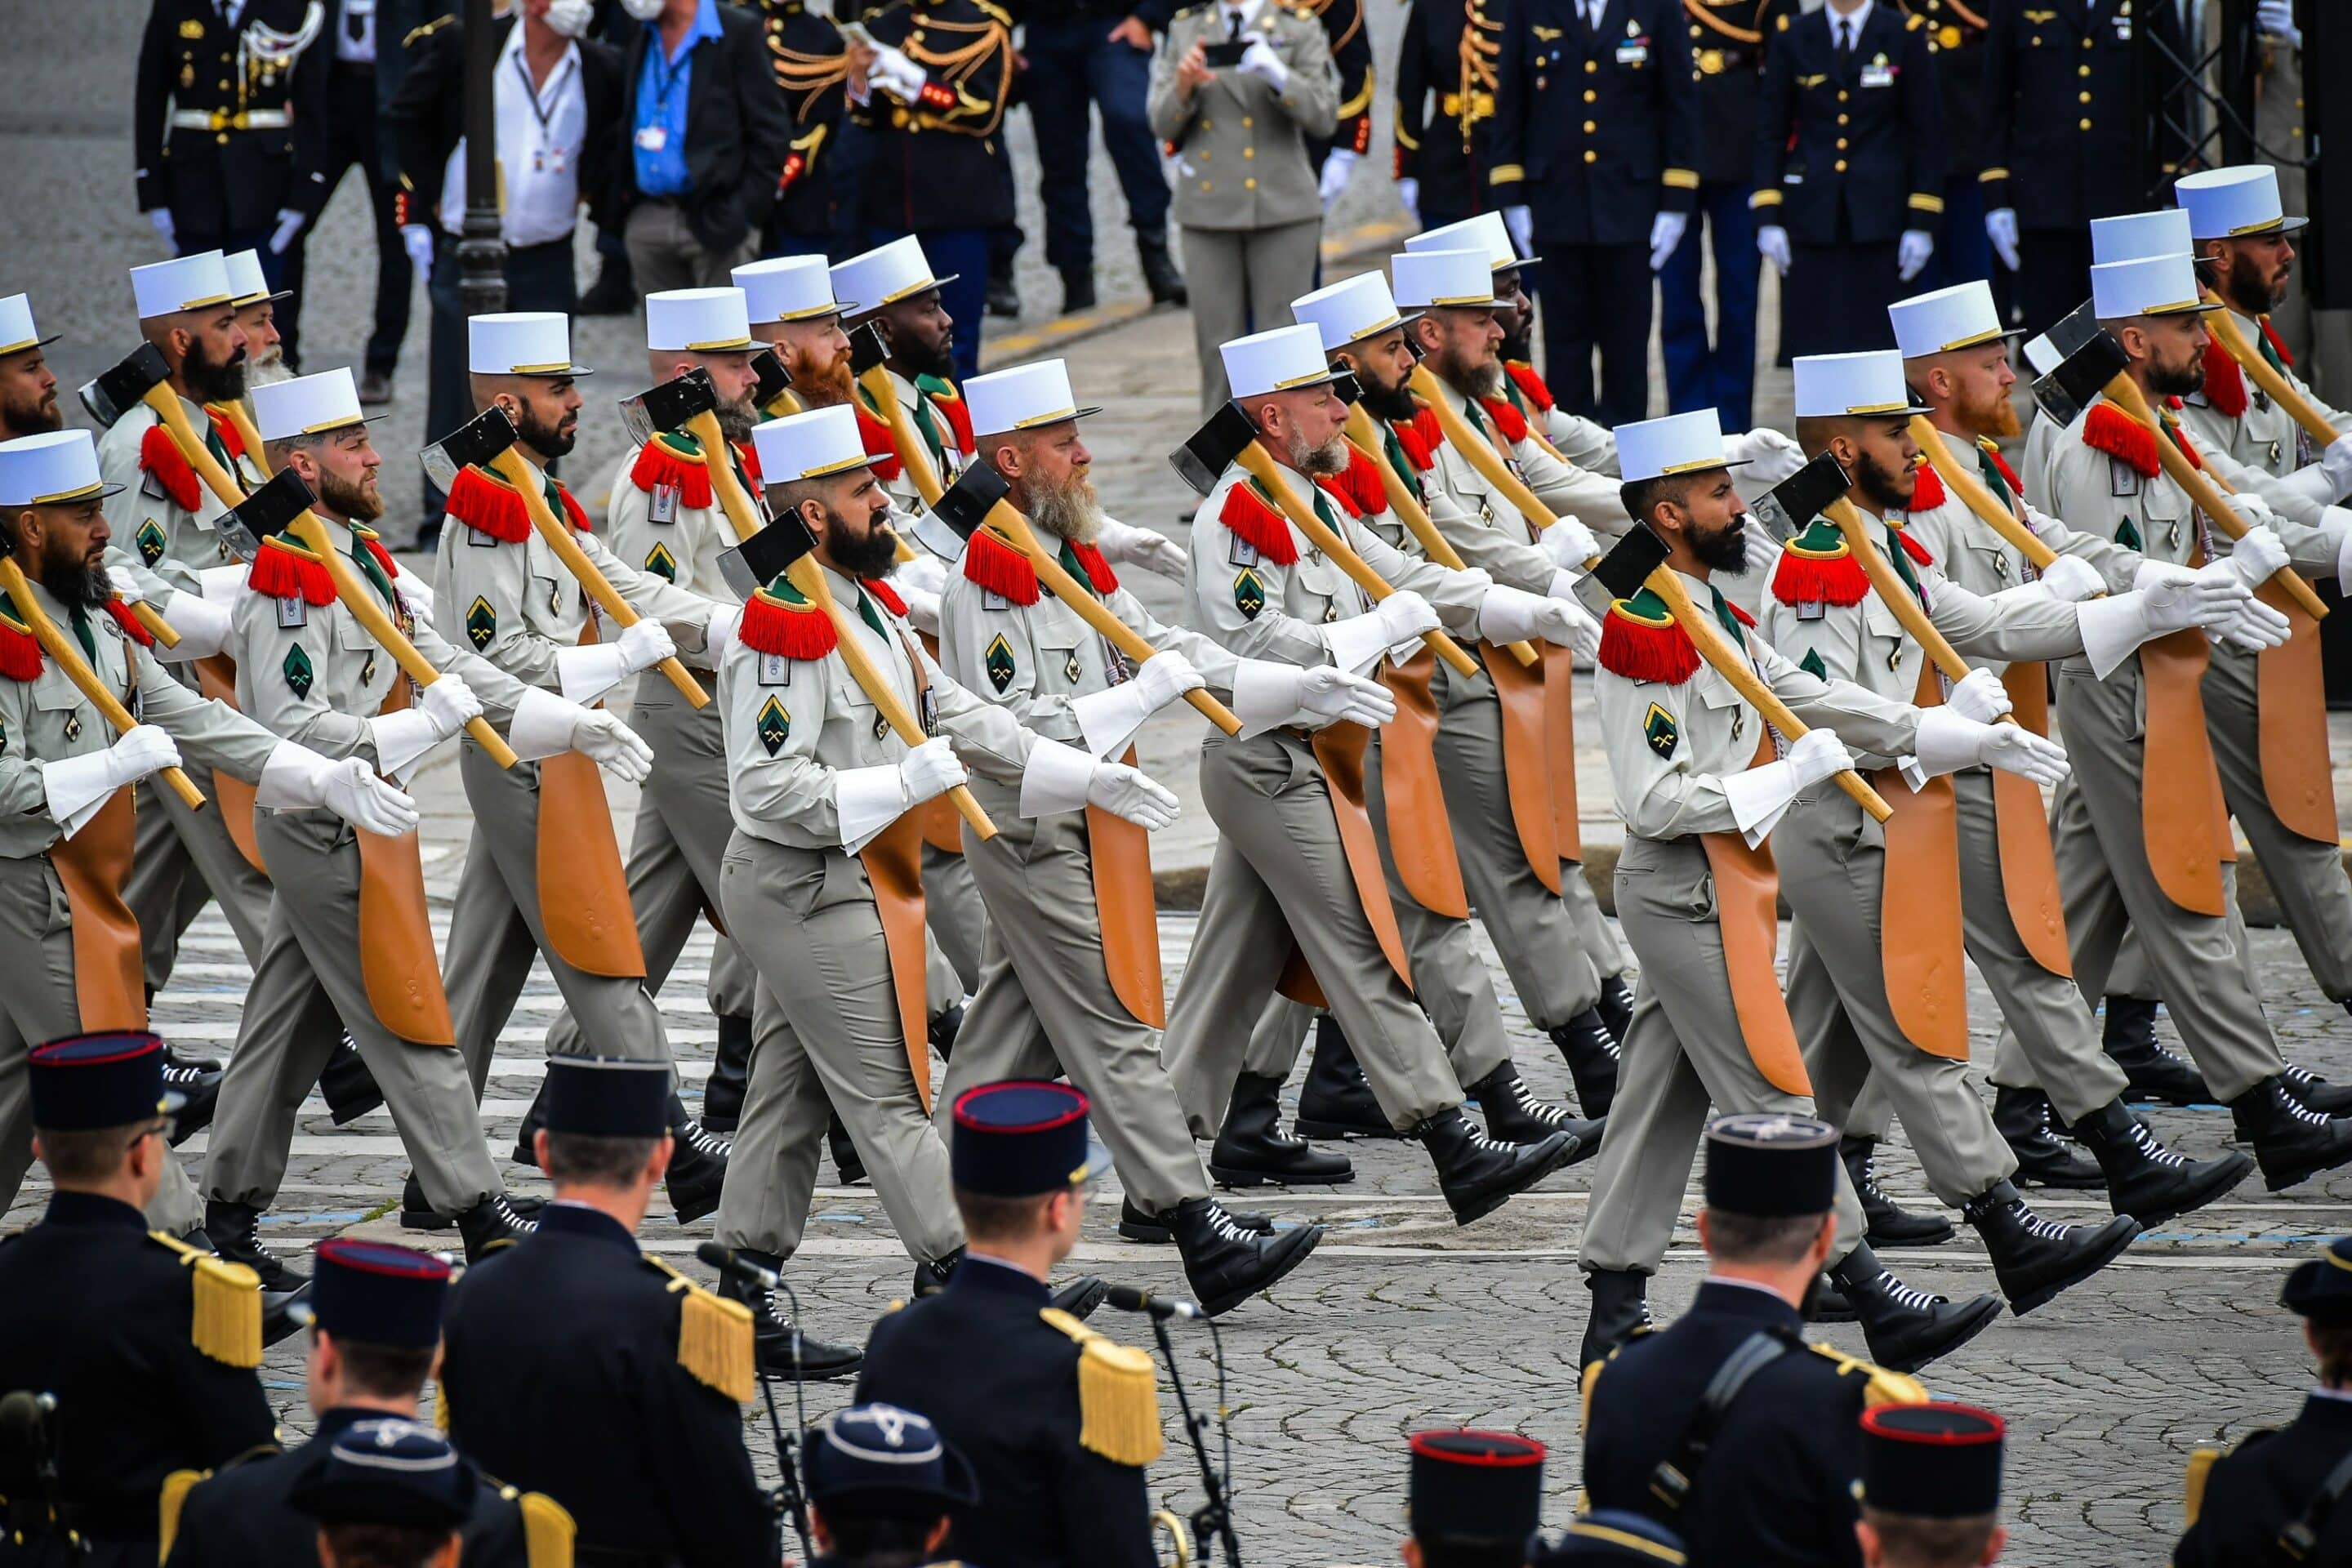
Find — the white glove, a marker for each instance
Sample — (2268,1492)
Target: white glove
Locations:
(1165,677)
(1260,61)
(1129,794)
(1818,754)
(1405,615)
(895,74)
(645,645)
(2254,627)
(588,672)
(1912,255)
(290,224)
(1407,192)
(1108,718)
(1978,695)
(1338,165)
(1770,455)
(161,218)
(1569,544)
(1758,796)
(1329,693)
(603,739)
(450,703)
(2257,555)
(1520,224)
(297,778)
(204,627)
(78,786)
(417,594)
(2071,579)
(2251,510)
(2337,458)
(922,607)
(2013,749)
(126,588)
(1772,244)
(2001,227)
(929,771)
(418,240)
(1509,615)
(2276,17)
(1665,233)
(1124,544)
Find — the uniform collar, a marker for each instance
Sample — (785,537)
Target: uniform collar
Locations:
(1860,18)
(1732,1299)
(578,1219)
(334,1421)
(93,1209)
(988,1276)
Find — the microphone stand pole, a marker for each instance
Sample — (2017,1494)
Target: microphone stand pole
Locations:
(1214,1518)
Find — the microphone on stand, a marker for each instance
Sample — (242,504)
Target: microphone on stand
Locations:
(1128,1299)
(727,1260)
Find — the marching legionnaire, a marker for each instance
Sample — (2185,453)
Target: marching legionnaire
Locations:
(1446,74)
(882,1483)
(1600,102)
(1701,782)
(2278,1495)
(1297,871)
(1930,1490)
(147,1345)
(1057,1420)
(543,872)
(1472,1497)
(374,1316)
(1726,1426)
(1070,981)
(812,66)
(624,1406)
(28,388)
(1849,169)
(2145,844)
(790,307)
(392,1492)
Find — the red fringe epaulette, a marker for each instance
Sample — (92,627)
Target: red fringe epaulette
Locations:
(1531,385)
(1926,489)
(488,505)
(1420,437)
(659,463)
(130,624)
(160,455)
(878,444)
(2225,383)
(1643,650)
(571,508)
(749,456)
(1096,566)
(282,569)
(796,630)
(886,594)
(231,439)
(374,546)
(1509,422)
(1991,450)
(1359,488)
(20,651)
(2278,345)
(1258,524)
(2111,430)
(1803,578)
(2180,435)
(999,568)
(1918,552)
(959,421)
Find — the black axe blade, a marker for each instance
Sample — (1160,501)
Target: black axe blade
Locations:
(265,511)
(969,500)
(479,442)
(1623,571)
(2076,327)
(867,348)
(120,390)
(1349,389)
(1789,508)
(775,379)
(670,406)
(1204,455)
(2079,379)
(763,558)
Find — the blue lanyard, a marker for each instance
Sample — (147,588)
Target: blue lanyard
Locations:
(662,68)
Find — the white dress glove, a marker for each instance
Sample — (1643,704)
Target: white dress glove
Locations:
(1947,742)
(1509,615)
(895,74)
(1569,544)
(2168,599)
(290,224)
(1400,618)
(77,786)
(1123,544)
(204,627)
(1407,192)
(1665,233)
(2276,17)
(867,800)
(2013,749)
(297,778)
(1520,222)
(1261,61)
(1267,694)
(1770,455)
(450,703)
(2070,579)
(2001,227)
(1108,718)
(1759,796)
(2257,554)
(603,739)
(1338,165)
(929,770)
(418,240)
(1978,695)
(588,672)
(1131,796)
(1772,244)
(161,218)
(1911,256)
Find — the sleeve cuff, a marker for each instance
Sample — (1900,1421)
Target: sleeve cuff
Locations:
(401,738)
(2112,629)
(1758,797)
(73,788)
(1266,694)
(1506,175)
(1921,202)
(1766,197)
(865,801)
(1108,718)
(1357,643)
(543,725)
(1054,779)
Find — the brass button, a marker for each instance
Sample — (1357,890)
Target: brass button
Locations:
(1590,156)
(1841,95)
(2082,97)
(1249,152)
(2085,125)
(1205,186)
(1840,165)
(2081,70)
(1843,118)
(1590,126)
(1840,143)
(2086,43)
(222,138)
(1249,185)
(1247,122)
(1205,156)
(1694,32)
(224,85)
(1208,125)
(1591,96)
(1591,65)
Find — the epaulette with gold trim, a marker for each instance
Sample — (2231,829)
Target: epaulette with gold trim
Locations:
(427,30)
(780,619)
(1250,515)
(286,568)
(20,650)
(1641,640)
(160,455)
(1119,1394)
(714,1335)
(1816,568)
(1884,1387)
(226,1321)
(548,1530)
(673,458)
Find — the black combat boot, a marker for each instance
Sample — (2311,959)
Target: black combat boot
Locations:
(944,1027)
(2292,1143)
(1477,1174)
(2153,1072)
(2034,1259)
(1160,274)
(1828,1304)
(1226,1264)
(1906,1329)
(782,1348)
(526,1149)
(1513,1115)
(415,1213)
(2316,1092)
(1621,1312)
(194,1089)
(490,1224)
(2144,1178)
(844,1148)
(1252,1148)
(2021,1117)
(730,1075)
(698,1166)
(1079,1297)
(1336,1101)
(279,1318)
(1885,1222)
(235,1232)
(350,1089)
(1137,1223)
(1078,289)
(1616,1006)
(1590,1051)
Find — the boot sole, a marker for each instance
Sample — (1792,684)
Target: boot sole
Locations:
(1219,1305)
(1482,1206)
(425,1219)
(2227,1173)
(2302,1170)
(1333,1131)
(2042,1295)
(1934,1238)
(2068,1181)
(1981,1313)
(1234,1176)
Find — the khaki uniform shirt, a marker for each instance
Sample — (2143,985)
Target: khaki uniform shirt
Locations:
(1241,147)
(660,536)
(1591,498)
(162,544)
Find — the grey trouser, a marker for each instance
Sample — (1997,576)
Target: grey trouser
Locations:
(1684,1060)
(182,858)
(826,1036)
(307,989)
(663,253)
(1280,876)
(1243,280)
(1046,1004)
(495,931)
(958,918)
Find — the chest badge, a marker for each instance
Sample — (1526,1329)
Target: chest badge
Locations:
(774,726)
(73,727)
(1659,729)
(1072,668)
(662,563)
(1249,593)
(998,662)
(481,624)
(297,669)
(367,668)
(1811,664)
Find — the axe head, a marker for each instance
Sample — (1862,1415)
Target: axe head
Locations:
(1201,460)
(265,511)
(480,441)
(867,348)
(2075,329)
(1789,508)
(1348,389)
(969,500)
(1622,570)
(2079,379)
(670,406)
(775,379)
(118,390)
(760,559)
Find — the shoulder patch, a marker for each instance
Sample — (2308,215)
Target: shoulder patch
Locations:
(714,1336)
(1249,593)
(998,663)
(1659,729)
(1119,1394)
(150,539)
(1811,664)
(661,562)
(297,669)
(481,624)
(773,726)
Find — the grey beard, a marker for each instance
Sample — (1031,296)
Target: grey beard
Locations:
(736,419)
(1317,462)
(267,371)
(1073,513)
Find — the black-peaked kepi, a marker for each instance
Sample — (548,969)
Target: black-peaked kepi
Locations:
(1475,1486)
(1769,1165)
(2321,1288)
(1937,1460)
(606,1097)
(1606,1535)
(85,1082)
(390,1471)
(375,1294)
(1020,1140)
(886,1459)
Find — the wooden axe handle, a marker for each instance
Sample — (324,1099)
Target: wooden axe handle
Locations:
(2282,390)
(1480,454)
(1978,500)
(733,498)
(912,455)
(1896,595)
(59,648)
(526,481)
(1364,436)
(157,626)
(218,479)
(234,411)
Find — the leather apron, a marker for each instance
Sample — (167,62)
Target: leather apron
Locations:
(894,871)
(109,984)
(2292,689)
(1527,759)
(399,966)
(1420,835)
(2029,867)
(1340,753)
(217,679)
(1559,749)
(583,893)
(1748,916)
(1921,943)
(942,825)
(1119,853)
(2178,784)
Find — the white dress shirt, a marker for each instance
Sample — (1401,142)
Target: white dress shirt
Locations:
(540,135)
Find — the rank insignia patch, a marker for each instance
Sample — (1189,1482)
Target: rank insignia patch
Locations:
(150,542)
(298,671)
(1658,728)
(481,624)
(1249,593)
(73,726)
(775,726)
(998,662)
(1811,664)
(662,563)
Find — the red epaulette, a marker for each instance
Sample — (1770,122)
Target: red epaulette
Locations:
(1359,488)
(20,651)
(1531,385)
(2225,383)
(887,594)
(1420,437)
(488,505)
(793,628)
(573,508)
(1918,552)
(1509,422)
(2111,430)
(283,569)
(129,623)
(659,463)
(2278,344)
(1096,566)
(1992,449)
(878,444)
(160,455)
(367,537)
(749,456)
(958,420)
(1926,489)
(231,439)
(1246,514)
(1818,576)
(1641,648)
(999,568)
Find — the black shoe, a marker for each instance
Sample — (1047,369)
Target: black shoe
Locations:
(782,1348)
(2291,1142)
(235,1232)
(697,1166)
(1160,274)
(2021,1117)
(1513,1115)
(1906,1329)
(1252,1148)
(415,1213)
(1620,1312)
(197,1088)
(1227,1263)
(730,1075)
(2316,1092)
(614,292)
(944,1027)
(1591,1054)
(281,1319)
(1477,1174)
(490,1224)
(1137,1224)
(2144,1178)
(1003,297)
(845,1162)
(2153,1072)
(1616,1006)
(1828,1304)
(525,1148)
(1336,1101)
(2034,1259)
(1885,1222)
(1081,1296)
(350,1089)
(931,1277)
(375,386)
(1077,290)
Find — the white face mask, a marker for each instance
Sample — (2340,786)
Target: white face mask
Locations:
(571,17)
(642,10)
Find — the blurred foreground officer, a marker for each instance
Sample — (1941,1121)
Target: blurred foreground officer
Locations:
(147,1345)
(375,1328)
(2278,1495)
(1930,1487)
(391,1495)
(1727,1424)
(1057,1420)
(623,1405)
(1476,1499)
(1605,1535)
(881,1481)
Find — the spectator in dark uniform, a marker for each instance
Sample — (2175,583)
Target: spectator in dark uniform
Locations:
(1930,1487)
(812,66)
(881,1483)
(1596,118)
(1334,156)
(391,1494)
(1849,169)
(1474,1499)
(1956,36)
(1607,1535)
(1446,111)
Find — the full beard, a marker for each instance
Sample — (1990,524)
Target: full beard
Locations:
(1325,461)
(2249,296)
(214,381)
(1520,341)
(1724,549)
(549,441)
(33,418)
(869,556)
(1995,416)
(2178,381)
(268,369)
(736,418)
(1484,382)
(914,359)
(1070,511)
(73,582)
(357,501)
(823,386)
(1391,402)
(1886,489)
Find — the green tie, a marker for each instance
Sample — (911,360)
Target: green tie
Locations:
(365,559)
(1477,418)
(2269,350)
(1902,560)
(81,618)
(1993,481)
(1730,621)
(1070,564)
(872,616)
(1397,461)
(1322,511)
(216,446)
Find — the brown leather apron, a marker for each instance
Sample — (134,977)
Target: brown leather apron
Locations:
(2179,785)
(583,894)
(1920,939)
(894,869)
(233,797)
(1748,916)
(2028,869)
(942,825)
(1120,853)
(1559,749)
(398,965)
(1527,759)
(1339,752)
(1420,836)
(110,985)
(2294,725)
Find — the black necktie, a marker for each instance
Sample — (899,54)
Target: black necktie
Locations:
(1846,41)
(1233,27)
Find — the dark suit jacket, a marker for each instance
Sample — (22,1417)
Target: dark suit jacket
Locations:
(739,132)
(234,180)
(2262,1485)
(1829,144)
(2059,158)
